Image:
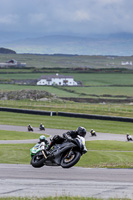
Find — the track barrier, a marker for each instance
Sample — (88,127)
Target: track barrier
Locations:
(65,114)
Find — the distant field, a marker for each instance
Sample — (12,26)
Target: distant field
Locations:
(100,91)
(62,61)
(97,87)
(82,92)
(88,79)
(86,95)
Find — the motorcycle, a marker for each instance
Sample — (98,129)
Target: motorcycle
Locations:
(129,138)
(65,155)
(93,133)
(42,128)
(30,129)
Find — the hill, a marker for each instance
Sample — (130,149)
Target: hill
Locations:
(6,51)
(115,44)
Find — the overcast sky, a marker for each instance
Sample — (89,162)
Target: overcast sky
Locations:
(77,17)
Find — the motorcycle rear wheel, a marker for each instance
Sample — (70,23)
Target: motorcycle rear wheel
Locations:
(37,160)
(69,162)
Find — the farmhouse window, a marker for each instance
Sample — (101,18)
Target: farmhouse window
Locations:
(65,81)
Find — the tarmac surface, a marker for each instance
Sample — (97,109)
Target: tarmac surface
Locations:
(52,132)
(26,181)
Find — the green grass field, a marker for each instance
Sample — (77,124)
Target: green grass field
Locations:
(111,154)
(123,110)
(79,92)
(40,61)
(88,79)
(66,123)
(18,135)
(102,87)
(97,86)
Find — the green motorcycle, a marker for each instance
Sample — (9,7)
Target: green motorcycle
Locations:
(65,155)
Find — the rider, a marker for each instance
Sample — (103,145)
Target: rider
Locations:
(43,139)
(81,131)
(41,126)
(129,137)
(92,132)
(29,127)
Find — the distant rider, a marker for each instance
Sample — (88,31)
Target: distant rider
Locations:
(41,126)
(30,128)
(93,133)
(129,137)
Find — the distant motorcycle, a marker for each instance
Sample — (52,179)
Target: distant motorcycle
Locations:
(93,133)
(65,155)
(129,137)
(30,129)
(42,128)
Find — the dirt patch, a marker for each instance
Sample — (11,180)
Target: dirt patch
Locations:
(26,94)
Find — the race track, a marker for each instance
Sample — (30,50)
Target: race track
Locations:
(52,132)
(24,180)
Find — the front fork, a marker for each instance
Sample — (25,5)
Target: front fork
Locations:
(42,148)
(44,154)
(68,155)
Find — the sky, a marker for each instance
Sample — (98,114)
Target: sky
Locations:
(34,18)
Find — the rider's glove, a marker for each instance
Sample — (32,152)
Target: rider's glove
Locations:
(84,151)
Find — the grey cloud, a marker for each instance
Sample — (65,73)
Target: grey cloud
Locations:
(74,16)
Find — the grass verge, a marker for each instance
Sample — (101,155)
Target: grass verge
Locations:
(15,135)
(111,154)
(66,123)
(109,109)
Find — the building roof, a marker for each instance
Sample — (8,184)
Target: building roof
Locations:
(49,77)
(12,61)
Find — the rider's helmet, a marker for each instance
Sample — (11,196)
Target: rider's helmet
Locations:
(42,138)
(81,131)
(91,130)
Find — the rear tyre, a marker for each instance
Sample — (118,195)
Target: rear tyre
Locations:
(37,160)
(67,162)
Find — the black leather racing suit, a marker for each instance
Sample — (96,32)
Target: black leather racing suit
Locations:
(57,139)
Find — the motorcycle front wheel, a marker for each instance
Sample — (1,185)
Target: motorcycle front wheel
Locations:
(37,160)
(68,161)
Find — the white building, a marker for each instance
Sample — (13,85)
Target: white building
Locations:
(57,80)
(126,63)
(12,63)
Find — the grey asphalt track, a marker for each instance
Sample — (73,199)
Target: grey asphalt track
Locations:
(24,180)
(52,132)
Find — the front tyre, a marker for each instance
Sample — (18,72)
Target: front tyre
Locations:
(37,160)
(71,160)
